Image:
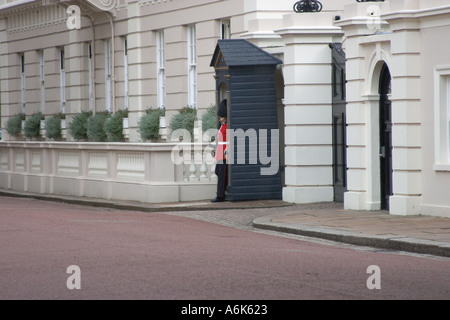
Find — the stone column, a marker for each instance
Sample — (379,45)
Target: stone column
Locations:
(406,134)
(141,69)
(308,106)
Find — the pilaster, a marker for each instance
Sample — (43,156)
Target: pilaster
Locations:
(308,106)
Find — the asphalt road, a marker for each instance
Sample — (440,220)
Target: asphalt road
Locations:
(164,256)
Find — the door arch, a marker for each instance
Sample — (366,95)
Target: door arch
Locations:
(339,122)
(386,172)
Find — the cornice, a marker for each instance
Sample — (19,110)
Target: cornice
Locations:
(19,7)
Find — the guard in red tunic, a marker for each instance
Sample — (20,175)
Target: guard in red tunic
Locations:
(221,153)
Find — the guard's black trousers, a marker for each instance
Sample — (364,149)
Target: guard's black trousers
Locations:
(222,179)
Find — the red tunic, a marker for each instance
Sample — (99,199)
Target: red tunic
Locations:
(222,143)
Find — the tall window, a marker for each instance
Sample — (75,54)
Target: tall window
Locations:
(226,30)
(442,118)
(161,70)
(91,76)
(448,117)
(42,79)
(62,64)
(125,66)
(22,81)
(108,80)
(192,64)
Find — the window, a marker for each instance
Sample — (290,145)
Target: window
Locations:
(63,80)
(91,76)
(125,66)
(448,118)
(192,64)
(108,84)
(23,80)
(42,79)
(161,70)
(226,30)
(442,118)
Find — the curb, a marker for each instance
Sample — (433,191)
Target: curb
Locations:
(388,243)
(201,205)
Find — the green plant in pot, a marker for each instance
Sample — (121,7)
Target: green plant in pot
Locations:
(78,126)
(149,124)
(53,126)
(184,119)
(14,124)
(95,127)
(210,123)
(209,119)
(33,125)
(114,126)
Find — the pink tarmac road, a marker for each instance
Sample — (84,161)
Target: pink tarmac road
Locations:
(153,256)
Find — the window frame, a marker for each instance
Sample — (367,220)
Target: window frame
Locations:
(192,67)
(225,29)
(42,78)
(442,118)
(161,69)
(90,53)
(23,82)
(108,75)
(126,73)
(62,70)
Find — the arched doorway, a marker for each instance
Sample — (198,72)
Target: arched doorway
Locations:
(385,138)
(339,122)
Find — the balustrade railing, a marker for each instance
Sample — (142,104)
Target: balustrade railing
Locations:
(174,170)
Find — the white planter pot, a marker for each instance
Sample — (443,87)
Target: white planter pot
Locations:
(42,132)
(125,123)
(63,129)
(126,128)
(162,122)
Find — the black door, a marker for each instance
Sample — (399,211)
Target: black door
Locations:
(385,138)
(339,124)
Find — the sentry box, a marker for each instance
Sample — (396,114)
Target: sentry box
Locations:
(248,78)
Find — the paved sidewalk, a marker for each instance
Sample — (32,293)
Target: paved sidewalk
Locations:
(417,234)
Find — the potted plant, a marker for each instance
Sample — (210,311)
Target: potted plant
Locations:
(114,126)
(209,119)
(32,127)
(184,119)
(53,126)
(14,124)
(78,128)
(150,124)
(95,127)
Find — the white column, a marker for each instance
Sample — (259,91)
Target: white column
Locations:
(406,131)
(308,106)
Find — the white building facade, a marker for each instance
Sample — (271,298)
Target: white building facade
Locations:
(371,130)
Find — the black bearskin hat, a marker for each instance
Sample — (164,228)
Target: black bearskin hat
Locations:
(222,112)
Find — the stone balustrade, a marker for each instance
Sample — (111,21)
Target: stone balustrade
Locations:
(145,172)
